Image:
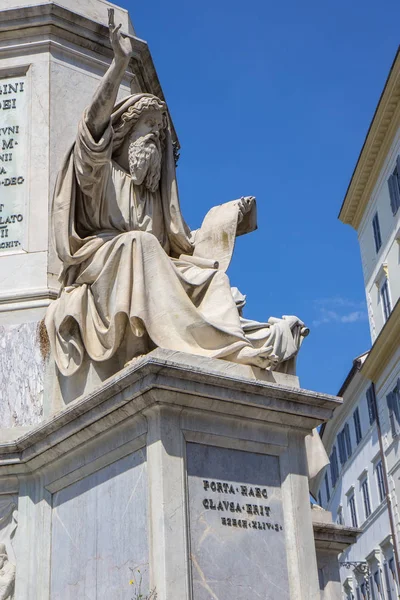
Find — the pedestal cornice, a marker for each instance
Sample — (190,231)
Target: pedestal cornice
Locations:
(170,378)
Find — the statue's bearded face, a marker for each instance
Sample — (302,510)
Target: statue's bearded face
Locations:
(144,156)
(144,152)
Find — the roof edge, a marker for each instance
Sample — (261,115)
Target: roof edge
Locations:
(379,132)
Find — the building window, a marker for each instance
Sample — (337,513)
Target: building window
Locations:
(392,570)
(344,443)
(334,466)
(348,594)
(357,425)
(385,298)
(377,232)
(328,495)
(353,513)
(380,481)
(388,581)
(394,188)
(365,493)
(377,590)
(342,448)
(364,591)
(347,440)
(393,402)
(371,400)
(339,519)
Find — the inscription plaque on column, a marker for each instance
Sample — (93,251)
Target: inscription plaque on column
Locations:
(13,162)
(237,538)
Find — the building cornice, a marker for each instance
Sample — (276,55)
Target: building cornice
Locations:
(385,345)
(378,141)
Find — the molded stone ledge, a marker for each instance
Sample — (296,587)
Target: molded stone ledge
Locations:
(36,27)
(34,15)
(167,378)
(334,538)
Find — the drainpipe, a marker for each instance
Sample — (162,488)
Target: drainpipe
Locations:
(388,498)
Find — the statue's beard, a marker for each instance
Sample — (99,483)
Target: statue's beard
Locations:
(144,157)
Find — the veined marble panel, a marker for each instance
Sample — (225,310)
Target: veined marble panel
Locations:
(21,375)
(236,525)
(99,532)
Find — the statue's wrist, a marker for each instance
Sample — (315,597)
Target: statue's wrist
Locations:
(121,61)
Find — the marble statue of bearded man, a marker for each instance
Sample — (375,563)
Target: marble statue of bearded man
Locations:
(134,276)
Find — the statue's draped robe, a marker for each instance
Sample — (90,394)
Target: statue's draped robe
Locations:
(131,266)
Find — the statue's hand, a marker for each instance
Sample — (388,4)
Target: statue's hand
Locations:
(245,205)
(121,44)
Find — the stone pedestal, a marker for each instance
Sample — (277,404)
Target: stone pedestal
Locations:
(190,469)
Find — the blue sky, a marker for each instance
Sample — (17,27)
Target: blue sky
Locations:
(274,100)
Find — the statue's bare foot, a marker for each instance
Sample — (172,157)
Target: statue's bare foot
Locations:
(257,357)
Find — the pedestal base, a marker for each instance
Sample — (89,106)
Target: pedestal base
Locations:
(178,466)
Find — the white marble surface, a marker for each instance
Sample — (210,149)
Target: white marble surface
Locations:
(99,532)
(21,375)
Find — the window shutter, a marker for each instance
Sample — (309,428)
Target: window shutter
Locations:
(372,587)
(332,469)
(377,232)
(348,439)
(335,462)
(388,586)
(389,400)
(394,192)
(396,409)
(371,404)
(342,448)
(334,466)
(328,494)
(357,425)
(397,173)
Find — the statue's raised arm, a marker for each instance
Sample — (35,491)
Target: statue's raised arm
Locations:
(100,110)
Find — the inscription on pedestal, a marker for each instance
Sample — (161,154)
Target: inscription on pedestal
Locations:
(236,525)
(13,162)
(247,513)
